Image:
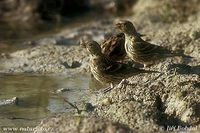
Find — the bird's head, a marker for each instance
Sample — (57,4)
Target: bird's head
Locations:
(125,26)
(93,47)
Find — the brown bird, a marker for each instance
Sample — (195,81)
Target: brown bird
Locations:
(105,70)
(113,47)
(139,50)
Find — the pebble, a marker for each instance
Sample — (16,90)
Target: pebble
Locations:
(62,90)
(14,101)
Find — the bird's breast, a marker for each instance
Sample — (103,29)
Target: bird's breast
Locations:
(129,47)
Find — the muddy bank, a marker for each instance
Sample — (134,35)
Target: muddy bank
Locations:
(153,102)
(46,59)
(59,53)
(80,124)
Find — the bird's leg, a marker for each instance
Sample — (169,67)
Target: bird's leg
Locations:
(137,65)
(123,84)
(108,88)
(147,65)
(111,85)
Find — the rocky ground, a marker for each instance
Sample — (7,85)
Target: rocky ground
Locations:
(157,102)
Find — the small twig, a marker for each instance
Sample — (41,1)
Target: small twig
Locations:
(73,106)
(18,118)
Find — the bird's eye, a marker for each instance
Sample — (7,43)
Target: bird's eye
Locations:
(90,45)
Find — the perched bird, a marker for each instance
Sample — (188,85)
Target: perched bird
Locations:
(105,70)
(113,47)
(139,50)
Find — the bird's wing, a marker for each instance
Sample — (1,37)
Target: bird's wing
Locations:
(117,46)
(150,49)
(125,70)
(113,68)
(113,45)
(106,65)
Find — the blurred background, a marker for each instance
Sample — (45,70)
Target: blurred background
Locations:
(23,18)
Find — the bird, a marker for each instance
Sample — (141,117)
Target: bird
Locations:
(106,70)
(113,47)
(142,51)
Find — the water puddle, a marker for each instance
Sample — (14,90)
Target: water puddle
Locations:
(39,97)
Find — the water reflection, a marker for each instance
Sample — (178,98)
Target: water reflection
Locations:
(37,97)
(95,85)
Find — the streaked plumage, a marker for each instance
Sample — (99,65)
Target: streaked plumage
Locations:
(139,50)
(113,47)
(106,70)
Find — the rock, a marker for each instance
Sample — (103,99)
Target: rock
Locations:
(14,101)
(61,90)
(89,107)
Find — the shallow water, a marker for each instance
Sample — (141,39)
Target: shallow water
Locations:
(37,94)
(38,98)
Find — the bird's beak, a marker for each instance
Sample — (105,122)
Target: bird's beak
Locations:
(82,43)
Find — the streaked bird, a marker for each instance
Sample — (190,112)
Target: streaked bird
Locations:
(105,70)
(113,47)
(141,51)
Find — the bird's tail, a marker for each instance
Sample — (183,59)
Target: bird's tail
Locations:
(178,53)
(148,71)
(182,55)
(138,70)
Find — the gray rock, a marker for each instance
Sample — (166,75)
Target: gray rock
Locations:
(11,101)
